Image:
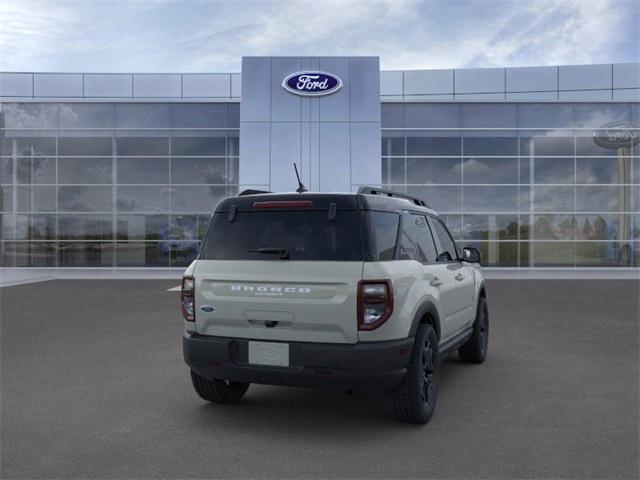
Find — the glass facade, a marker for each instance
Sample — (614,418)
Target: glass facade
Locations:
(112,184)
(133,184)
(524,183)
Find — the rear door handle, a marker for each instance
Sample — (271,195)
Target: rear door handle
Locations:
(436,282)
(459,277)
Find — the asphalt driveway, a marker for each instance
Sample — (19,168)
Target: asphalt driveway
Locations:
(94,386)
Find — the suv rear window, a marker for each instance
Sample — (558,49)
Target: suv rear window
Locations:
(305,235)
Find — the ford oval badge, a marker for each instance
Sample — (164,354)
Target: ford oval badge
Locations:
(617,135)
(207,308)
(312,84)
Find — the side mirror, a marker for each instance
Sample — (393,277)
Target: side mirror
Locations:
(471,255)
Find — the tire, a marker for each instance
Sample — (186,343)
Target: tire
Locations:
(475,349)
(414,401)
(218,391)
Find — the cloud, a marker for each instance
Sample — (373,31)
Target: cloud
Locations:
(202,35)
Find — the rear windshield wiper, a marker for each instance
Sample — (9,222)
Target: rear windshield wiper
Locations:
(283,252)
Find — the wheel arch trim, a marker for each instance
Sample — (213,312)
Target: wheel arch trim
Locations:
(427,308)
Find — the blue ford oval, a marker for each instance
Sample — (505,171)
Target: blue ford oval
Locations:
(312,84)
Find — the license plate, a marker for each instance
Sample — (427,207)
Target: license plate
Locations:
(269,353)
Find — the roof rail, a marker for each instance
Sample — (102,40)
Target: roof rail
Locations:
(391,193)
(250,191)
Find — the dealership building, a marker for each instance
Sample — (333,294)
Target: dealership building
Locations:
(537,167)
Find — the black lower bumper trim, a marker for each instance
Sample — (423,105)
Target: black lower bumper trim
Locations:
(375,366)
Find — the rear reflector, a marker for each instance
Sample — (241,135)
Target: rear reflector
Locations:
(284,204)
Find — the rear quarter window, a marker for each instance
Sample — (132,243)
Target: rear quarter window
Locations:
(381,233)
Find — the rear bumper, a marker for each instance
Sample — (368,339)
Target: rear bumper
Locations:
(375,366)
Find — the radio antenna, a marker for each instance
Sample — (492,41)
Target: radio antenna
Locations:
(301,188)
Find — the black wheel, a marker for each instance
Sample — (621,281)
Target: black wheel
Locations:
(415,400)
(475,349)
(218,391)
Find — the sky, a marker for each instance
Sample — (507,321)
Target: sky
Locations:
(212,36)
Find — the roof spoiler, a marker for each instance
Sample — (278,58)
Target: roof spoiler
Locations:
(391,193)
(250,191)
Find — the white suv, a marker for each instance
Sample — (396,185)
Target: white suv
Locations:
(357,292)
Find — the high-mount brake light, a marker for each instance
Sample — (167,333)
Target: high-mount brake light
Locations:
(375,303)
(187,299)
(284,204)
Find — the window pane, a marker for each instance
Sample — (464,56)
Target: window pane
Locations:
(604,254)
(199,170)
(454,224)
(383,232)
(551,254)
(441,199)
(553,170)
(489,115)
(603,199)
(198,146)
(188,227)
(83,115)
(183,253)
(36,170)
(40,254)
(598,114)
(30,115)
(490,170)
(392,144)
(199,115)
(490,146)
(31,146)
(497,254)
(197,199)
(432,146)
(434,170)
(143,227)
(142,115)
(586,146)
(85,254)
(84,170)
(490,199)
(554,227)
(432,115)
(84,146)
(553,199)
(447,245)
(143,146)
(84,199)
(545,115)
(604,227)
(85,227)
(142,254)
(490,227)
(424,238)
(392,115)
(546,146)
(143,199)
(28,227)
(36,199)
(393,171)
(6,199)
(6,170)
(603,170)
(143,170)
(305,235)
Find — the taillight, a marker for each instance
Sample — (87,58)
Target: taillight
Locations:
(187,299)
(375,303)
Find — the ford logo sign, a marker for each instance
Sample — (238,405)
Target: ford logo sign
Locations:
(312,84)
(617,135)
